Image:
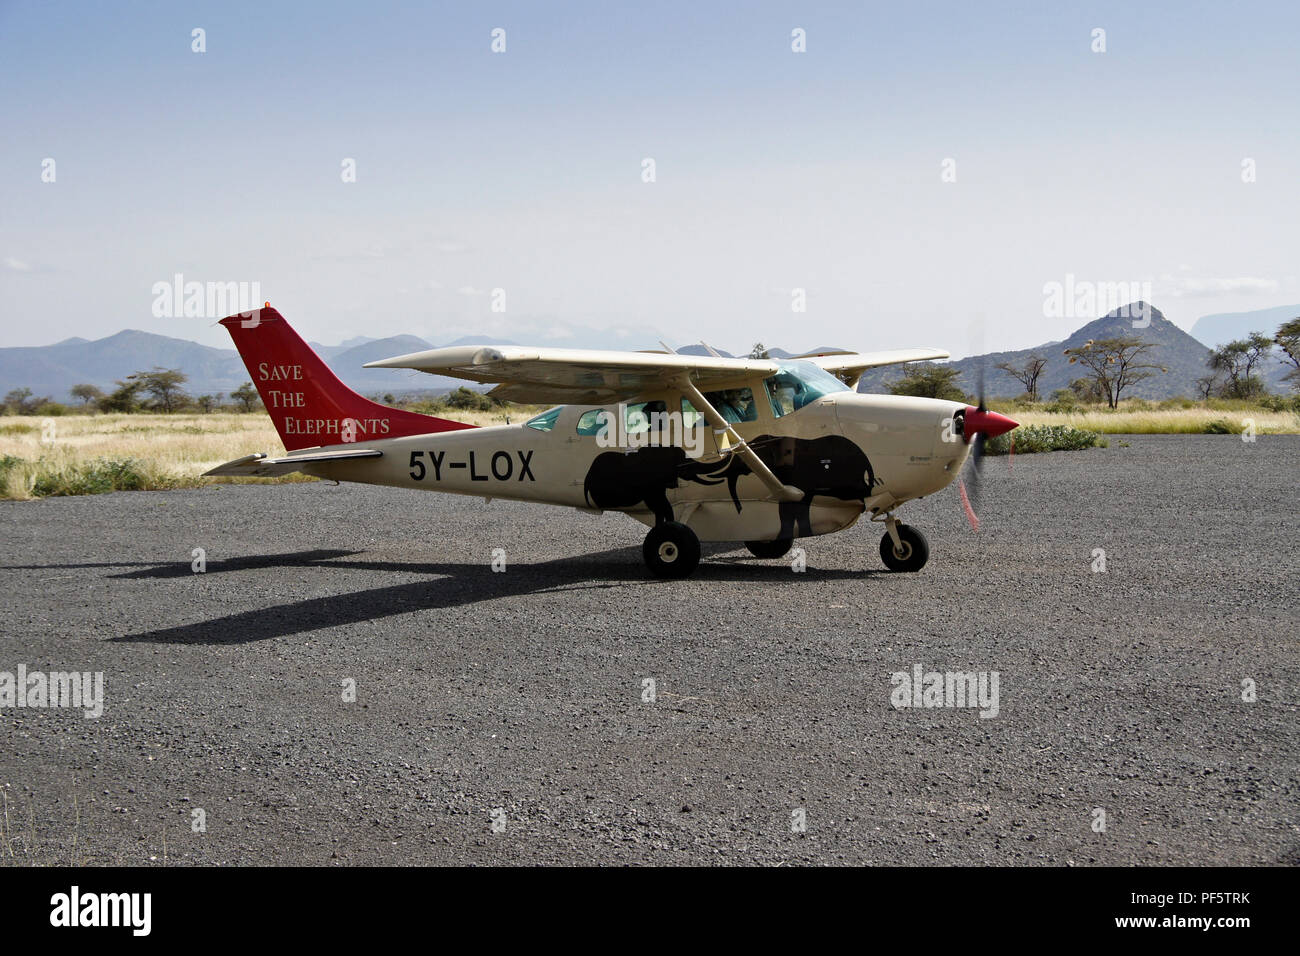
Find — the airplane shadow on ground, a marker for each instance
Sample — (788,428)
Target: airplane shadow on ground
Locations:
(450,585)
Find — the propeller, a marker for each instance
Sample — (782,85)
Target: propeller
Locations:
(978,424)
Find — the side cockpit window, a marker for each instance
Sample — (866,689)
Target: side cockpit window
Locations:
(546,420)
(799,384)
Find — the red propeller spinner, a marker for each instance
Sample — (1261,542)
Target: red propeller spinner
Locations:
(990,424)
(979,424)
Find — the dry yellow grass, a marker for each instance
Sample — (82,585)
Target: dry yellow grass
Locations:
(172,450)
(183,444)
(1162,421)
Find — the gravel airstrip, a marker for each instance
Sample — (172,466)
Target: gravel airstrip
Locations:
(1146,714)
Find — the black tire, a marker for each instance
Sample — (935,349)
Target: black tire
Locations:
(916,550)
(671,550)
(770,549)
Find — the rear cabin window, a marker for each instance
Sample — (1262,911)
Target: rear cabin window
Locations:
(692,417)
(636,417)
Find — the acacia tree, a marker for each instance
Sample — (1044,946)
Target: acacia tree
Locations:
(1115,364)
(87,394)
(246,396)
(929,381)
(164,384)
(1288,340)
(1027,374)
(124,398)
(1238,361)
(20,401)
(1206,385)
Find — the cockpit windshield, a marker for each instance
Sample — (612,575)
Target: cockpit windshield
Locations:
(800,383)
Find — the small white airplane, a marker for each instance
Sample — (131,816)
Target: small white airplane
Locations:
(699,448)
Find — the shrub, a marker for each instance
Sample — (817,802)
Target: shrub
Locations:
(425,407)
(1280,403)
(466,399)
(1063,401)
(13,478)
(1220,426)
(1035,438)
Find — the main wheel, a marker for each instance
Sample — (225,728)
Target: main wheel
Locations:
(671,550)
(769,549)
(912,556)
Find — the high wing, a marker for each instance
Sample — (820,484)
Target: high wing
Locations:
(595,377)
(849,366)
(577,376)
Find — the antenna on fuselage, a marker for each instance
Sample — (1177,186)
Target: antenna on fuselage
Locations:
(712,350)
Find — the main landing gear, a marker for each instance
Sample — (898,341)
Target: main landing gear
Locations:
(902,547)
(770,549)
(671,550)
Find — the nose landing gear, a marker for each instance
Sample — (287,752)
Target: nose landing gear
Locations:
(902,547)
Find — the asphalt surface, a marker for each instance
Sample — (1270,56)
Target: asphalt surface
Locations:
(522,691)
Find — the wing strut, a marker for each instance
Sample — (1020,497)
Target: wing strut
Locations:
(783,492)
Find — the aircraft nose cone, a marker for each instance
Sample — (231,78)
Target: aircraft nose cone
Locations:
(990,423)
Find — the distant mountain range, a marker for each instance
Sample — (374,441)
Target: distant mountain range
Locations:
(1216,330)
(53,369)
(1180,353)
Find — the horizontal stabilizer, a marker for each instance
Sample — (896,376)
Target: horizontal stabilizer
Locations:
(259,466)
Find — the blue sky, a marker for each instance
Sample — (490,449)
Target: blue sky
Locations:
(522,170)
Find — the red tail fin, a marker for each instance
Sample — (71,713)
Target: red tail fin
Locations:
(307,402)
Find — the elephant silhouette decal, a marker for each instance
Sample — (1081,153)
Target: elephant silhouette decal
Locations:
(831,466)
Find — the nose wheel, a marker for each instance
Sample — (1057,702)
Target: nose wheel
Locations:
(671,550)
(908,553)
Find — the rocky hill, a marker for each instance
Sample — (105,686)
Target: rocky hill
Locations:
(1183,356)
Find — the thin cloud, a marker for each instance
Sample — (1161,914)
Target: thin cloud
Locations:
(1192,286)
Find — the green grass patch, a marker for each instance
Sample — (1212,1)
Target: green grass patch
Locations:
(1035,438)
(7,464)
(1221,426)
(99,476)
(22,479)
